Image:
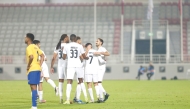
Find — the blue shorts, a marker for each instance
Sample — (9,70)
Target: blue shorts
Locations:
(34,77)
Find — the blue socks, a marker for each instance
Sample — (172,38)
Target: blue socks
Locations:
(34,98)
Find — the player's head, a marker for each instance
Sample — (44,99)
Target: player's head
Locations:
(78,40)
(29,38)
(99,42)
(37,42)
(63,38)
(73,37)
(88,46)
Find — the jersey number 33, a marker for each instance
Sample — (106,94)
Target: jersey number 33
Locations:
(74,53)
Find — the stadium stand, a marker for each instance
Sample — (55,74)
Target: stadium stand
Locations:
(48,21)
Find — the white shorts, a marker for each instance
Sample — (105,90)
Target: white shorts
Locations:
(81,75)
(91,77)
(61,72)
(72,70)
(101,71)
(42,79)
(45,73)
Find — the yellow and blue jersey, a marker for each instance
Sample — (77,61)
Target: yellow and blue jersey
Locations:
(33,50)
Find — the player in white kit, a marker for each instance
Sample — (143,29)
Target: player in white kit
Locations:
(102,68)
(91,70)
(61,67)
(72,51)
(78,89)
(45,73)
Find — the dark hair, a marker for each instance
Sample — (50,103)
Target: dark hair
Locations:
(30,36)
(77,38)
(87,44)
(59,43)
(101,40)
(36,41)
(72,37)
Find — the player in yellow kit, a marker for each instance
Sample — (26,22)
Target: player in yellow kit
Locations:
(33,67)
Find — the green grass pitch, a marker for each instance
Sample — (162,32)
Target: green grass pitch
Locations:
(123,95)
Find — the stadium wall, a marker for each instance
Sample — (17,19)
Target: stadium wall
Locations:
(116,72)
(79,1)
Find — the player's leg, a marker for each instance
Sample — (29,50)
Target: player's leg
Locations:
(33,80)
(100,79)
(61,76)
(88,80)
(70,76)
(40,92)
(50,81)
(148,76)
(95,81)
(77,92)
(138,76)
(151,74)
(80,75)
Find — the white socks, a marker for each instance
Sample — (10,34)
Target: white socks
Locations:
(83,89)
(97,91)
(40,95)
(34,107)
(91,94)
(101,88)
(60,90)
(78,92)
(51,83)
(68,91)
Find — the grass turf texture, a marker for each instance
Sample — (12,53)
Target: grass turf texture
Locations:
(123,95)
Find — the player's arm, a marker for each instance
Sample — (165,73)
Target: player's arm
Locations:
(84,54)
(53,61)
(105,53)
(65,53)
(30,61)
(41,57)
(102,53)
(81,58)
(30,56)
(64,56)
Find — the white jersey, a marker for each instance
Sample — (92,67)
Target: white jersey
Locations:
(82,63)
(44,65)
(102,49)
(91,65)
(73,51)
(59,52)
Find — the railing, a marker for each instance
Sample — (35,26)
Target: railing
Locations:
(113,59)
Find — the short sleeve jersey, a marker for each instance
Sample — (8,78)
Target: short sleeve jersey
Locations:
(73,51)
(92,62)
(102,49)
(59,52)
(44,63)
(33,50)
